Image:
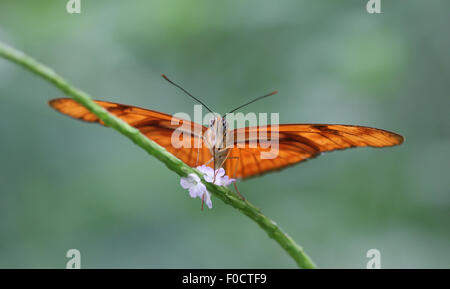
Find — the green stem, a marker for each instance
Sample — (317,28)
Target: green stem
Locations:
(174,164)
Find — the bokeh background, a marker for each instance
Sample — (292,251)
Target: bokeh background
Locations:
(66,184)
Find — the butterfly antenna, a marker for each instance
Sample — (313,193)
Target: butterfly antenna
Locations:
(185,91)
(256,99)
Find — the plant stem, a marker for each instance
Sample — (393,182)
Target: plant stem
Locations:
(173,163)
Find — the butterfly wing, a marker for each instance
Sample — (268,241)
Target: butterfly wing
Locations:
(157,126)
(297,143)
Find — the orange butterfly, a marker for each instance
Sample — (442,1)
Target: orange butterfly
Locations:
(296,142)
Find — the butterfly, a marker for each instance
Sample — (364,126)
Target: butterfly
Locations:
(242,158)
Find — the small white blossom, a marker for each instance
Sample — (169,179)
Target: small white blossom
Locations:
(197,189)
(226,181)
(193,183)
(220,178)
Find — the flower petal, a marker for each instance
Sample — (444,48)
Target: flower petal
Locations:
(208,201)
(205,169)
(208,173)
(208,178)
(185,183)
(220,172)
(197,191)
(195,178)
(226,181)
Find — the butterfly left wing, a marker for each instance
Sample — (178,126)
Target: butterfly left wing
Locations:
(297,143)
(157,126)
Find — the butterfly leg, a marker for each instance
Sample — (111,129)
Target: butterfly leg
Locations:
(198,151)
(203,200)
(208,162)
(214,160)
(234,176)
(203,196)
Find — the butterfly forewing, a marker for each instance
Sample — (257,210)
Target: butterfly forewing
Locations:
(157,126)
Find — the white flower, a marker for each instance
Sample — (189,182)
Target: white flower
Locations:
(220,178)
(198,189)
(193,183)
(226,181)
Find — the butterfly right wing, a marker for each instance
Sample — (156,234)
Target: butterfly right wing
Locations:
(158,127)
(297,143)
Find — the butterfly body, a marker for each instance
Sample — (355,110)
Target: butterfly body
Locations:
(218,139)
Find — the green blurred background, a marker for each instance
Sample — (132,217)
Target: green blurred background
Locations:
(67,184)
